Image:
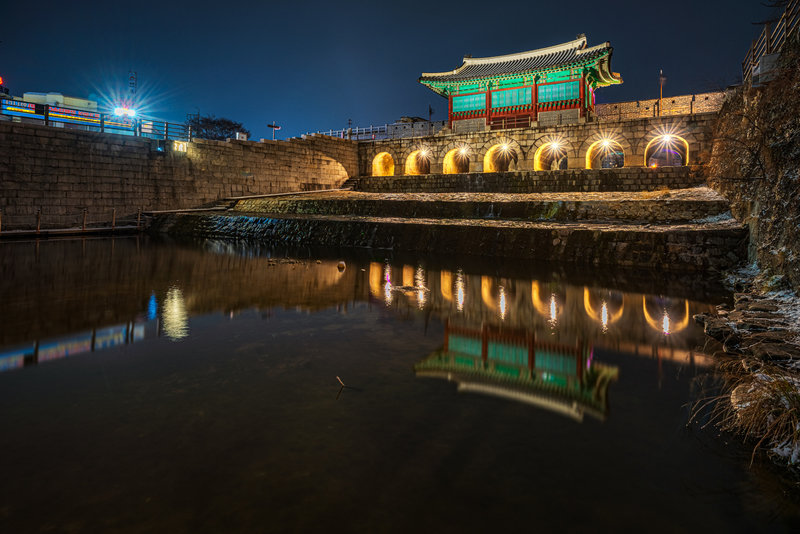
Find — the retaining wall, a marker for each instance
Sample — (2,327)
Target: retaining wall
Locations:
(624,179)
(62,171)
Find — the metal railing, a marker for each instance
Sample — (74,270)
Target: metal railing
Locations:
(92,121)
(771,39)
(387,131)
(44,221)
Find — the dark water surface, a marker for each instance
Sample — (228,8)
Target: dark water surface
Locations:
(157,387)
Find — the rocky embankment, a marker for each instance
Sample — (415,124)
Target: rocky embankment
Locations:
(760,368)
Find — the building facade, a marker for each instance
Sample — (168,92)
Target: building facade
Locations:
(548,86)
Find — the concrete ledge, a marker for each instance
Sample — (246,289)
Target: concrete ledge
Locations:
(473,206)
(695,247)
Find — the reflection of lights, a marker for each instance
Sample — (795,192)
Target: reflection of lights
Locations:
(460,291)
(604,316)
(152,307)
(502,303)
(387,293)
(590,359)
(666,326)
(387,286)
(419,281)
(175,319)
(553,311)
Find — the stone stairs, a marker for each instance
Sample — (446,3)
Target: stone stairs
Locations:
(631,224)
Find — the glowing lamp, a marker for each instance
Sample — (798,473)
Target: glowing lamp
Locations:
(463,151)
(505,148)
(124,112)
(667,138)
(1,80)
(606,143)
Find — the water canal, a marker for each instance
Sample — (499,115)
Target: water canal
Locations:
(194,387)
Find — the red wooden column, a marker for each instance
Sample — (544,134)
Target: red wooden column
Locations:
(582,93)
(450,111)
(535,101)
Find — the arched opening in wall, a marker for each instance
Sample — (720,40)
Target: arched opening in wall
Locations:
(383,165)
(418,162)
(605,154)
(667,151)
(550,156)
(500,158)
(456,161)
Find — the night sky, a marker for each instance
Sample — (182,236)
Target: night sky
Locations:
(314,65)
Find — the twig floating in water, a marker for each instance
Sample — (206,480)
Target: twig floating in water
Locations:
(340,381)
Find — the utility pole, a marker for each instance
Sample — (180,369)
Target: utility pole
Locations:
(661,80)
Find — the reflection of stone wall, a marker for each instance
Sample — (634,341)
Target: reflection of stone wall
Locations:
(62,287)
(528,308)
(63,171)
(59,287)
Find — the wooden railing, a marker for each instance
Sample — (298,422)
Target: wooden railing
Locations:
(771,39)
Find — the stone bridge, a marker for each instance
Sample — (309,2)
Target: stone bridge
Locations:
(653,141)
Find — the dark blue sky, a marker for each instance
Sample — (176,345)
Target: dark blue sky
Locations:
(313,65)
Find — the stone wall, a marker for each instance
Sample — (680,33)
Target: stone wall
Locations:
(62,171)
(624,179)
(675,105)
(665,248)
(755,165)
(633,136)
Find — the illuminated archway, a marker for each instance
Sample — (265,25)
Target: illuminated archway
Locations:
(500,158)
(550,156)
(667,151)
(605,154)
(418,162)
(456,161)
(383,165)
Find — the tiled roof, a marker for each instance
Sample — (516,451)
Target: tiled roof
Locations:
(553,56)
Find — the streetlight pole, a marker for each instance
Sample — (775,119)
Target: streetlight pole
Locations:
(274,127)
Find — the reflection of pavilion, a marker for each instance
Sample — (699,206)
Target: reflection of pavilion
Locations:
(513,365)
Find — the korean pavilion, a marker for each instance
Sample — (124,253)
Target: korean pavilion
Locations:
(550,85)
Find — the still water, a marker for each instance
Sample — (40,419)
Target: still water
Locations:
(162,387)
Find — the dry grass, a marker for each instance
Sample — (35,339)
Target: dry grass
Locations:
(759,402)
